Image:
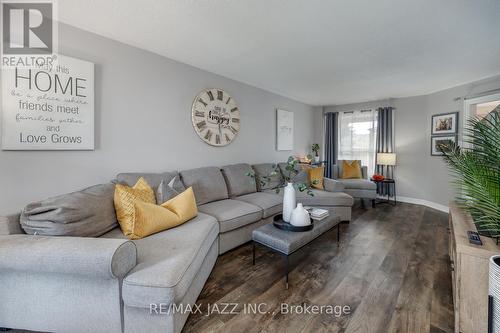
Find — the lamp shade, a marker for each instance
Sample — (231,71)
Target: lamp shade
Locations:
(386,158)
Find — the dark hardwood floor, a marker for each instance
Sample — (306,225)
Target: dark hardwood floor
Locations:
(391,269)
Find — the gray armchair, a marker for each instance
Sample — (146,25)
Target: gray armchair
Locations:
(357,188)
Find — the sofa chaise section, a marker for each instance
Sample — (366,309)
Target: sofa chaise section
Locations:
(67,284)
(172,267)
(357,188)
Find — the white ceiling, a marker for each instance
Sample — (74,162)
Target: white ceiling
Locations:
(316,51)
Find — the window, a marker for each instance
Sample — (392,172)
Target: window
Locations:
(479,107)
(357,137)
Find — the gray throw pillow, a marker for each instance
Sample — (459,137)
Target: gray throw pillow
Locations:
(166,191)
(153,179)
(86,213)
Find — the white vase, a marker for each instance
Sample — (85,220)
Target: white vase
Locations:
(288,202)
(300,217)
(316,159)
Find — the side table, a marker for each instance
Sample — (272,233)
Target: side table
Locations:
(387,182)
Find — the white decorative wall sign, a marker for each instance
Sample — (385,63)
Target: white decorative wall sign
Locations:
(49,107)
(284,130)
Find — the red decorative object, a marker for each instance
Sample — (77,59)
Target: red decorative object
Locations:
(377,177)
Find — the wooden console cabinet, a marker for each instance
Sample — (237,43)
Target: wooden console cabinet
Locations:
(469,270)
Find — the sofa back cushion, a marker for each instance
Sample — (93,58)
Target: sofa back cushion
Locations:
(265,170)
(208,184)
(153,179)
(86,213)
(238,183)
(302,175)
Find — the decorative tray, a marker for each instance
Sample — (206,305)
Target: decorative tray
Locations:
(280,224)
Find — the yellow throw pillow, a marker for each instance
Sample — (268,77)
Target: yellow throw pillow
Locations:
(183,205)
(316,174)
(351,170)
(125,198)
(150,218)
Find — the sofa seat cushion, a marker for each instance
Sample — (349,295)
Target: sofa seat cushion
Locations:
(167,262)
(232,214)
(208,184)
(271,203)
(358,184)
(321,198)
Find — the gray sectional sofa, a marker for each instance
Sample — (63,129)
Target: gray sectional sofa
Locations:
(111,284)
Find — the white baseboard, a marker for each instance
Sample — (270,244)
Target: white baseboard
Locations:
(423,202)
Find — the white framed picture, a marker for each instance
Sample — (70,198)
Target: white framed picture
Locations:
(445,123)
(436,141)
(49,107)
(284,130)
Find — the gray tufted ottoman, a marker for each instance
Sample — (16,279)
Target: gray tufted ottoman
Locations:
(287,242)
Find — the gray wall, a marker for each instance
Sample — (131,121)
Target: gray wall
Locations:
(418,174)
(143,123)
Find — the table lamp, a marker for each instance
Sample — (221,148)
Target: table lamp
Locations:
(386,159)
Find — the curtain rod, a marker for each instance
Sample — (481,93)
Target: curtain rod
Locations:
(484,93)
(364,110)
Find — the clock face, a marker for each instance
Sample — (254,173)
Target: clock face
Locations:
(216,117)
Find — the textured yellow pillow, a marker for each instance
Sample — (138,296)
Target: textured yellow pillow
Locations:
(351,170)
(150,218)
(125,198)
(183,205)
(316,174)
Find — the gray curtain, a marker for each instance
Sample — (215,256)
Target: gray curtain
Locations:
(385,144)
(331,144)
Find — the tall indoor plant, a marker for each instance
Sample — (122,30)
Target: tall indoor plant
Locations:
(477,171)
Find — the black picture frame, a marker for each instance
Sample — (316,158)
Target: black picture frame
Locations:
(454,129)
(442,137)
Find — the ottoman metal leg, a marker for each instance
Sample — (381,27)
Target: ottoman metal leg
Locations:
(286,272)
(338,234)
(253,253)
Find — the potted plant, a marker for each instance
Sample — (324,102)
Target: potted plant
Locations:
(315,149)
(477,171)
(289,175)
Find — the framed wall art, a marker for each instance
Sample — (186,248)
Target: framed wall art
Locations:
(436,141)
(444,124)
(284,130)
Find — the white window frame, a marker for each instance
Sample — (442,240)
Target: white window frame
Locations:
(468,102)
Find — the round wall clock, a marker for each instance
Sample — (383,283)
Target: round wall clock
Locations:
(216,117)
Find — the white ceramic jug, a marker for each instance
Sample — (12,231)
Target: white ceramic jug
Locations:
(300,217)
